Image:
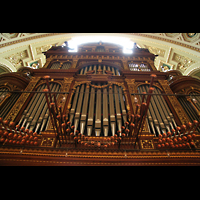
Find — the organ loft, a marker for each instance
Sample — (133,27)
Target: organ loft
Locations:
(99,106)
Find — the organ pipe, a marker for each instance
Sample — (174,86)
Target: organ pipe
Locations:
(35,117)
(3,93)
(122,101)
(112,112)
(91,112)
(105,112)
(118,112)
(101,110)
(78,108)
(84,110)
(9,104)
(98,69)
(74,104)
(159,117)
(98,113)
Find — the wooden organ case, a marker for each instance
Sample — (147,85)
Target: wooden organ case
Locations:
(99,106)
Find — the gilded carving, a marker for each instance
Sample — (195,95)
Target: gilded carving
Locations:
(47,142)
(183,62)
(22,99)
(132,89)
(16,59)
(74,63)
(48,60)
(156,51)
(175,103)
(125,64)
(147,144)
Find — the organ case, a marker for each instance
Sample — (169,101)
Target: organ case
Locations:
(100,97)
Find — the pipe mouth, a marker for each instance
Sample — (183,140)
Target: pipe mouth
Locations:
(89,131)
(105,132)
(97,133)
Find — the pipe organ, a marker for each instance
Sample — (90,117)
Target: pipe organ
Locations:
(100,68)
(191,106)
(159,116)
(98,109)
(9,99)
(36,115)
(101,104)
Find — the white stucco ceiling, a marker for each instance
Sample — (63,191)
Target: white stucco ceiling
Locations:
(179,51)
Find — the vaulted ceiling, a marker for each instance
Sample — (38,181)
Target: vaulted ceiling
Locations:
(176,51)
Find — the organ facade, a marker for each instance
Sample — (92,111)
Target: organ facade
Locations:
(99,106)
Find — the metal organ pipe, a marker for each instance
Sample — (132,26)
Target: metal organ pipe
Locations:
(157,112)
(98,113)
(112,111)
(8,105)
(74,104)
(36,114)
(188,109)
(30,107)
(91,112)
(78,109)
(105,112)
(98,69)
(118,112)
(151,115)
(97,107)
(159,115)
(168,113)
(122,100)
(84,110)
(3,93)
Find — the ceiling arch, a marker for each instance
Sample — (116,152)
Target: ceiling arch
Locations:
(176,51)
